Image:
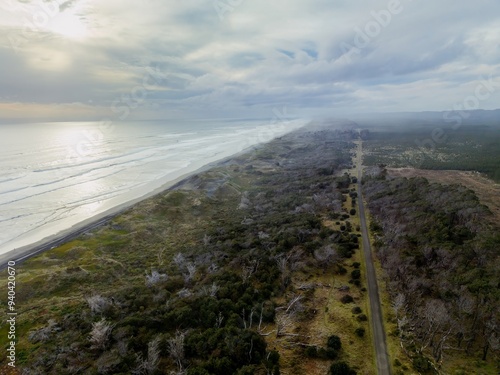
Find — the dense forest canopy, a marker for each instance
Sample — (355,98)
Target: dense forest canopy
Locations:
(440,250)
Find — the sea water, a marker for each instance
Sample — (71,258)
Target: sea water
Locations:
(56,175)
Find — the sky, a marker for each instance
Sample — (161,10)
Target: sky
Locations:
(160,59)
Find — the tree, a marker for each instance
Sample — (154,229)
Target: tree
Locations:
(176,348)
(150,364)
(326,256)
(155,278)
(360,331)
(334,342)
(341,368)
(99,335)
(356,274)
(283,322)
(190,272)
(98,304)
(347,299)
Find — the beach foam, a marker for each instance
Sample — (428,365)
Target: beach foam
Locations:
(43,192)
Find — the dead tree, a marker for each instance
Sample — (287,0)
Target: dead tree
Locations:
(176,348)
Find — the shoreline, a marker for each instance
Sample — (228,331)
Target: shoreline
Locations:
(25,252)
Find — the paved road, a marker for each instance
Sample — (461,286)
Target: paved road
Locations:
(382,358)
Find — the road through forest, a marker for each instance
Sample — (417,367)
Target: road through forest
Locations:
(382,358)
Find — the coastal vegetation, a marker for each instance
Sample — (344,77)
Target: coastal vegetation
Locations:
(254,267)
(222,275)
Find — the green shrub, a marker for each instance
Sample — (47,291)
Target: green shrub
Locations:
(356,310)
(311,351)
(360,332)
(341,368)
(197,371)
(347,299)
(362,318)
(246,370)
(327,353)
(334,342)
(422,364)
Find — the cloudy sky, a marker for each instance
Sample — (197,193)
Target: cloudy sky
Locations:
(151,59)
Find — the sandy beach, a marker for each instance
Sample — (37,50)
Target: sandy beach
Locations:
(25,247)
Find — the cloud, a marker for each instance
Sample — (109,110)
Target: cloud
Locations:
(244,61)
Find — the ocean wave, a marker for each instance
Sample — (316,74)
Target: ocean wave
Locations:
(60,187)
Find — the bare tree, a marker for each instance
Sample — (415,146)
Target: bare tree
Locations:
(43,334)
(190,272)
(326,256)
(399,303)
(244,202)
(180,261)
(161,257)
(176,348)
(155,278)
(184,293)
(212,268)
(283,323)
(436,327)
(206,239)
(219,320)
(263,235)
(214,288)
(295,305)
(98,304)
(99,335)
(149,365)
(282,263)
(210,290)
(249,270)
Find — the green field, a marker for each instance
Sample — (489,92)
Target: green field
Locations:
(440,147)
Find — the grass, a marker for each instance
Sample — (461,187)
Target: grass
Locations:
(331,317)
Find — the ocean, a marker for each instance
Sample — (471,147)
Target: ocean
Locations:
(54,176)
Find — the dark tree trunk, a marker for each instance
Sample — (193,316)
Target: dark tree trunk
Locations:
(486,347)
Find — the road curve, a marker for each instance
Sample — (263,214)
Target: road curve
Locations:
(382,358)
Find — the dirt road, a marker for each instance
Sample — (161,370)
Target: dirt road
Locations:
(382,358)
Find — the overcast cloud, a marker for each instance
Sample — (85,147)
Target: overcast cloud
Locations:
(151,59)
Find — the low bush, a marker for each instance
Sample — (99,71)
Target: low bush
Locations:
(347,299)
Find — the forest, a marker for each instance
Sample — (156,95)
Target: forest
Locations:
(439,248)
(468,148)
